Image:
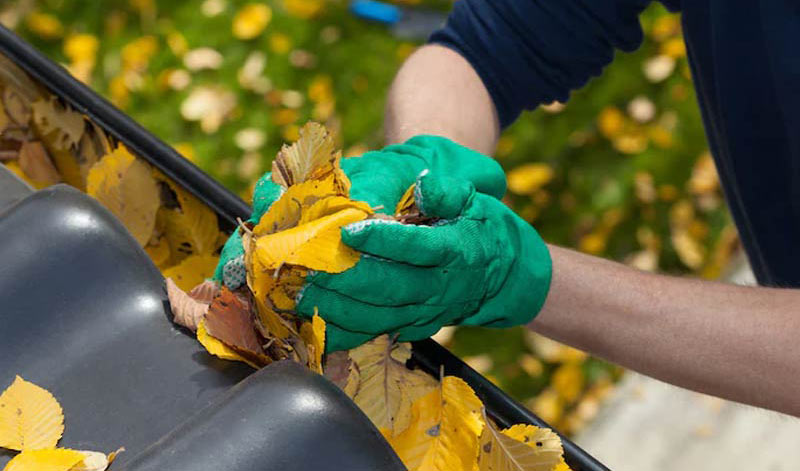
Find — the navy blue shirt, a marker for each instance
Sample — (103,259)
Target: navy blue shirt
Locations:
(745,60)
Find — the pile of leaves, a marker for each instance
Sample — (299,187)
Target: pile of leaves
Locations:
(432,425)
(45,142)
(32,422)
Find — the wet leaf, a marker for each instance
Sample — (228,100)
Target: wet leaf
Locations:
(30,417)
(125,186)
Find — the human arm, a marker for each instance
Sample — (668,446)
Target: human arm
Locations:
(739,343)
(453,102)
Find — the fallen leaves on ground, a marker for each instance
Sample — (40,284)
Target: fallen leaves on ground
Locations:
(32,422)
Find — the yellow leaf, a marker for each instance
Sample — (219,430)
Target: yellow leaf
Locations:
(445,426)
(159,252)
(528,178)
(316,245)
(192,271)
(568,381)
(304,9)
(331,205)
(407,202)
(251,20)
(313,334)
(286,211)
(562,466)
(313,156)
(519,448)
(60,459)
(215,347)
(124,185)
(44,25)
(191,228)
(30,417)
(81,47)
(385,387)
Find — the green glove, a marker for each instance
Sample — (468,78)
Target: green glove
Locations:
(380,178)
(480,264)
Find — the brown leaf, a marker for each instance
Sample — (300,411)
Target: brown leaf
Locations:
(36,164)
(205,292)
(16,106)
(230,319)
(313,156)
(187,311)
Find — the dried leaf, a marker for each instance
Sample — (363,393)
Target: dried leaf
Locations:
(57,123)
(519,448)
(94,461)
(30,417)
(192,271)
(186,311)
(313,334)
(125,186)
(445,426)
(217,348)
(191,228)
(313,156)
(60,459)
(386,387)
(230,320)
(337,367)
(16,106)
(205,292)
(34,161)
(316,245)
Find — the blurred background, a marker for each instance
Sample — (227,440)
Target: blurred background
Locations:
(620,171)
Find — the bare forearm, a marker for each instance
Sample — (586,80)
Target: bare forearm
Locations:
(437,92)
(735,342)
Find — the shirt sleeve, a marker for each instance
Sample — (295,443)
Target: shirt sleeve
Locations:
(529,52)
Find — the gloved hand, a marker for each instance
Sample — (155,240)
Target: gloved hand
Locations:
(480,264)
(380,178)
